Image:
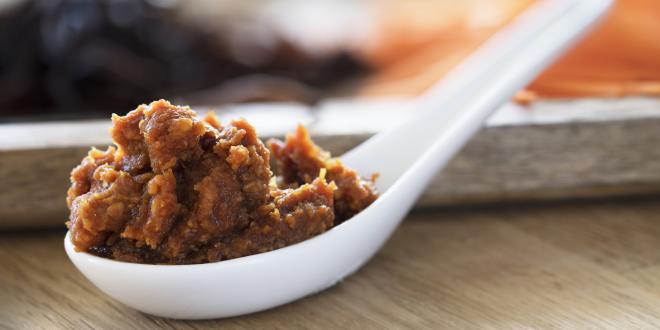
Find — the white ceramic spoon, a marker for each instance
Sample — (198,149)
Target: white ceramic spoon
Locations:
(406,158)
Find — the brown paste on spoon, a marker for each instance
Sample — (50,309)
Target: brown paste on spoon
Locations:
(179,190)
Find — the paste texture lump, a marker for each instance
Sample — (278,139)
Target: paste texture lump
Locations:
(179,190)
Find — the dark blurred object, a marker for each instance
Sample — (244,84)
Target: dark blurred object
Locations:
(96,57)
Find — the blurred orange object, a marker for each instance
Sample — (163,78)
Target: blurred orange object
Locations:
(621,57)
(418,41)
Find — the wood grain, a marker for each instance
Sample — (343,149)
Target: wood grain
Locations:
(571,265)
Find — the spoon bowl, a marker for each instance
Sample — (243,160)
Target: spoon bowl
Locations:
(407,156)
(243,285)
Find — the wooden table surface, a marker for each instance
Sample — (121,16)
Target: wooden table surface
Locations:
(572,265)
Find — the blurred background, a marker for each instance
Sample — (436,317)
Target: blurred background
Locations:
(79,58)
(91,58)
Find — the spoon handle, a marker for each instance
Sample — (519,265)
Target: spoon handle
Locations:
(454,109)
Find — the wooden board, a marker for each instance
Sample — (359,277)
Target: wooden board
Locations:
(551,150)
(576,265)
